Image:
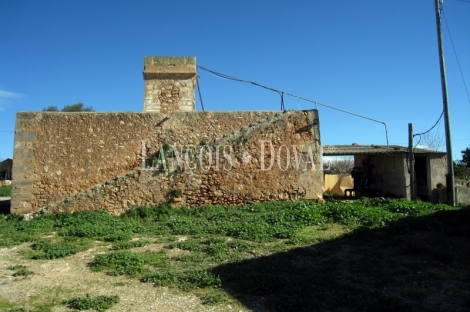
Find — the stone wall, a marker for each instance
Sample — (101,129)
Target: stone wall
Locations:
(112,161)
(169,84)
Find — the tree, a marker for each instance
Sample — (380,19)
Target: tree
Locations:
(433,141)
(78,107)
(466,157)
(339,165)
(50,109)
(462,167)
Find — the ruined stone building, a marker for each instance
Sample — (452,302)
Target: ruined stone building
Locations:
(169,152)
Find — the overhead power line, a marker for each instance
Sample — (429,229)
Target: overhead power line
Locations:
(281,93)
(455,52)
(442,114)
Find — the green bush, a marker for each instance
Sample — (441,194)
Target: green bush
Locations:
(199,278)
(99,303)
(54,250)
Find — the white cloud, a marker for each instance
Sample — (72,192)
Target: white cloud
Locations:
(422,146)
(7,97)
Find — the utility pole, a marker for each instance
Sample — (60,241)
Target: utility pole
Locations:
(411,162)
(450,163)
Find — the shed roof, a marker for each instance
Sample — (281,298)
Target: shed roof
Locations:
(354,149)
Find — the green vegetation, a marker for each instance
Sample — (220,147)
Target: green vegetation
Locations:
(5,191)
(20,270)
(462,166)
(99,303)
(175,193)
(78,107)
(295,255)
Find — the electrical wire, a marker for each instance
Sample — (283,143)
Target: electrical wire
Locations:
(431,127)
(281,93)
(455,52)
(200,96)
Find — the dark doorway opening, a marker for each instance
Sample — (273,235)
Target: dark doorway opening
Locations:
(421,173)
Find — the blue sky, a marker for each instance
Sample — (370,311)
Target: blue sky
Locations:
(374,58)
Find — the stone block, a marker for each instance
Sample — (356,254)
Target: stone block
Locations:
(25,136)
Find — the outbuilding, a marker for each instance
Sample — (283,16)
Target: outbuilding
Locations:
(383,170)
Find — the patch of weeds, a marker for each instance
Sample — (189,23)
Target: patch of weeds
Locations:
(5,191)
(199,278)
(43,308)
(22,272)
(54,250)
(213,298)
(128,245)
(119,263)
(190,244)
(155,259)
(167,239)
(119,237)
(175,193)
(165,278)
(16,267)
(194,257)
(96,224)
(162,212)
(99,303)
(38,225)
(240,245)
(217,250)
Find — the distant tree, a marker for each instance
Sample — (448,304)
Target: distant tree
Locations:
(78,107)
(340,165)
(462,167)
(50,109)
(460,170)
(466,157)
(433,141)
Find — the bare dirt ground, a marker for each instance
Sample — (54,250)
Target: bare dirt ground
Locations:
(57,280)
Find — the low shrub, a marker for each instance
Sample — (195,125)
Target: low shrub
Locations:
(99,303)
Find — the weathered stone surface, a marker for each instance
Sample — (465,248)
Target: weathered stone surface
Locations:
(169,84)
(87,161)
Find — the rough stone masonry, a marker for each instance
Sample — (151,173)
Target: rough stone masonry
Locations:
(118,161)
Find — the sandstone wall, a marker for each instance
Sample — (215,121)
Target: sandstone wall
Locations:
(76,161)
(169,84)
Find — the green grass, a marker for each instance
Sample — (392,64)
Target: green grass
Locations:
(20,271)
(276,251)
(5,191)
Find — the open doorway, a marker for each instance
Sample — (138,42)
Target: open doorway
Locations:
(421,173)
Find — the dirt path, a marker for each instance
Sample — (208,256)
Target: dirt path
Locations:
(56,280)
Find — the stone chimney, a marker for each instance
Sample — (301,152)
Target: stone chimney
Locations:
(169,84)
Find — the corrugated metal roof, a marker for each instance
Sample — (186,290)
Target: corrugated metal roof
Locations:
(330,150)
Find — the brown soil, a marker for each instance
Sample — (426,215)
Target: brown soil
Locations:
(57,280)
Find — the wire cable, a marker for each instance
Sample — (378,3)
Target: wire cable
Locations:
(199,91)
(458,62)
(293,95)
(442,114)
